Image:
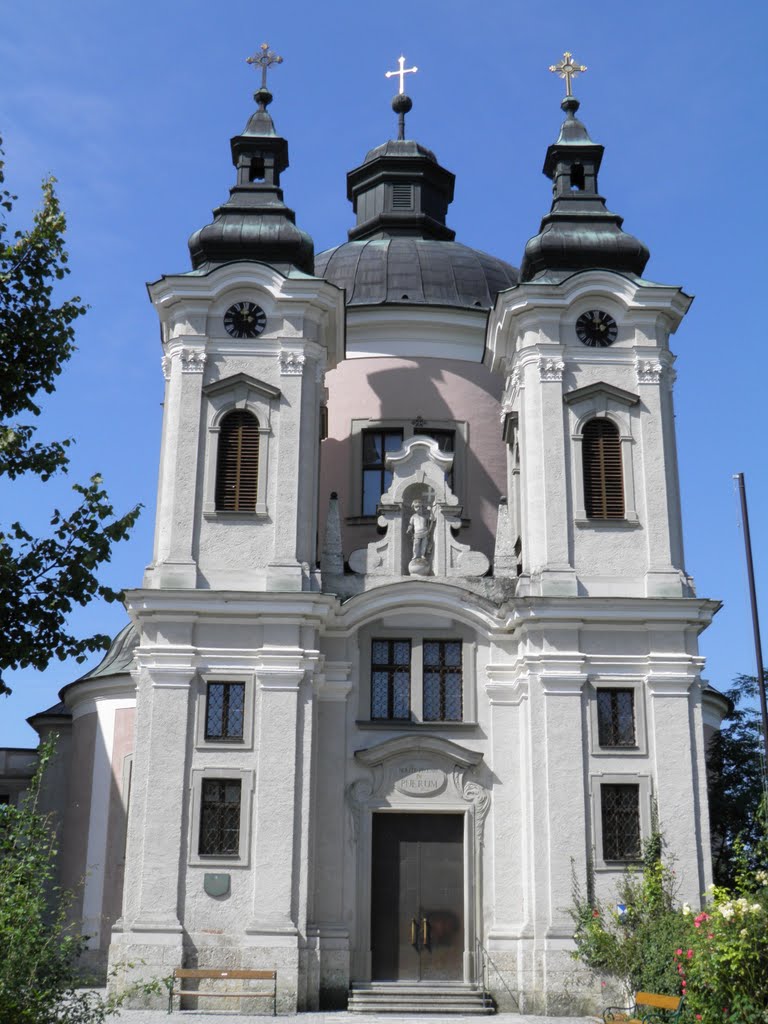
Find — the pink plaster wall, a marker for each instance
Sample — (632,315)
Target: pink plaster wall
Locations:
(438,390)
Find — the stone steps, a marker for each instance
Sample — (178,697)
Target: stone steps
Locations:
(403,998)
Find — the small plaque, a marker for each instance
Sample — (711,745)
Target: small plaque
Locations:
(216,885)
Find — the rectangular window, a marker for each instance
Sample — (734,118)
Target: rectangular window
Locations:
(220,817)
(442,681)
(391,679)
(620,810)
(616,717)
(5,798)
(225,712)
(376,476)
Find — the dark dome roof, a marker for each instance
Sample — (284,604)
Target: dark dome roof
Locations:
(415,270)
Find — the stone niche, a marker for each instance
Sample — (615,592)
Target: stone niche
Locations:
(420,515)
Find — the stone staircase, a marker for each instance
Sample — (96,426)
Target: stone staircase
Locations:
(408,997)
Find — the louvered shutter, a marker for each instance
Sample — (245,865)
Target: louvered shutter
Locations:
(603,477)
(237,469)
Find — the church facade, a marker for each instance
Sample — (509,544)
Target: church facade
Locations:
(416,646)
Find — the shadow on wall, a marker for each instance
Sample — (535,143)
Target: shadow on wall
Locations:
(439,392)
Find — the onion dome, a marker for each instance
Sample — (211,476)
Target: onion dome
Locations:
(255,223)
(579,232)
(401,250)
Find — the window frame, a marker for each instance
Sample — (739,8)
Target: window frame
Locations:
(417,637)
(380,468)
(201,743)
(643,784)
(460,429)
(198,777)
(596,467)
(238,393)
(597,401)
(637,685)
(241,468)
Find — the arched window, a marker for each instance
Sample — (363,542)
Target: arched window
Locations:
(237,466)
(603,477)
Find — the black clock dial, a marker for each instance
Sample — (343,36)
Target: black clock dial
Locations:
(596,329)
(245,320)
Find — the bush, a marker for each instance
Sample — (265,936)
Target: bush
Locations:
(633,941)
(723,964)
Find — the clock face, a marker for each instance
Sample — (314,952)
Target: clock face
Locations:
(245,320)
(596,329)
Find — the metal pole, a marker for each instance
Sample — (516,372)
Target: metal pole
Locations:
(755,620)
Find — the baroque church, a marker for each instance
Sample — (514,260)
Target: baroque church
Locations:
(416,647)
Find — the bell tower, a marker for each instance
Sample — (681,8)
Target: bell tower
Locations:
(583,342)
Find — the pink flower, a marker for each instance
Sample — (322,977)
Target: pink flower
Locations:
(678,952)
(684,983)
(710,935)
(698,1016)
(689,954)
(595,913)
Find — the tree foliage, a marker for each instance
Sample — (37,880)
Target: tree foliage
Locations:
(41,579)
(735,781)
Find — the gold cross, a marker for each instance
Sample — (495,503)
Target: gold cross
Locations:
(567,69)
(264,60)
(401,73)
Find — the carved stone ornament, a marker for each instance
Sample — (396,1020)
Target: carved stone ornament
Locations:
(417,769)
(165,363)
(192,360)
(551,369)
(291,363)
(649,371)
(421,515)
(511,390)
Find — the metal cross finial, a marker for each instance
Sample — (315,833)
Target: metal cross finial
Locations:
(401,73)
(264,60)
(567,69)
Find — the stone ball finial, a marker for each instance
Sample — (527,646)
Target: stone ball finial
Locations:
(401,103)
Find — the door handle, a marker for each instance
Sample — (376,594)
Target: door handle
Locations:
(424,932)
(414,932)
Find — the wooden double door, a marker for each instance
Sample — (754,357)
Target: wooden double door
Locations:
(417,897)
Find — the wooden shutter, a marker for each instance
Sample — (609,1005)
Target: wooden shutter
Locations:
(237,468)
(603,477)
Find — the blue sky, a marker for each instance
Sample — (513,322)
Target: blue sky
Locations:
(131,106)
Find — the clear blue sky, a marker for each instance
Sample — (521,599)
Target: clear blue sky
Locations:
(131,106)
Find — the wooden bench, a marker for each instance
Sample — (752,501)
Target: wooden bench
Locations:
(182,975)
(649,1008)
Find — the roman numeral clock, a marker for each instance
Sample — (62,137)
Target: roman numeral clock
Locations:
(245,320)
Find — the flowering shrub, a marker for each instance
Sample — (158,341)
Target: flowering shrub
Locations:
(723,965)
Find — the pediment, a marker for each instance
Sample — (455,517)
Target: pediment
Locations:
(426,746)
(229,383)
(601,388)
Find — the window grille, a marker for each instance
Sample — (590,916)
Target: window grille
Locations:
(376,476)
(603,478)
(402,197)
(620,808)
(237,469)
(442,681)
(224,712)
(220,817)
(391,679)
(616,718)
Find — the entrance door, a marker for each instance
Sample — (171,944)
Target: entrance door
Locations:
(417,897)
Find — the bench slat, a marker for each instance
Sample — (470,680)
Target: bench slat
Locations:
(653,999)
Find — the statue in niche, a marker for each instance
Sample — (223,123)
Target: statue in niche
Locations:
(421,526)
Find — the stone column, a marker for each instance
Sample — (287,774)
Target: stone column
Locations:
(178,476)
(149,934)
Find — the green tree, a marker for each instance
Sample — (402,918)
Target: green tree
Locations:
(41,579)
(735,781)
